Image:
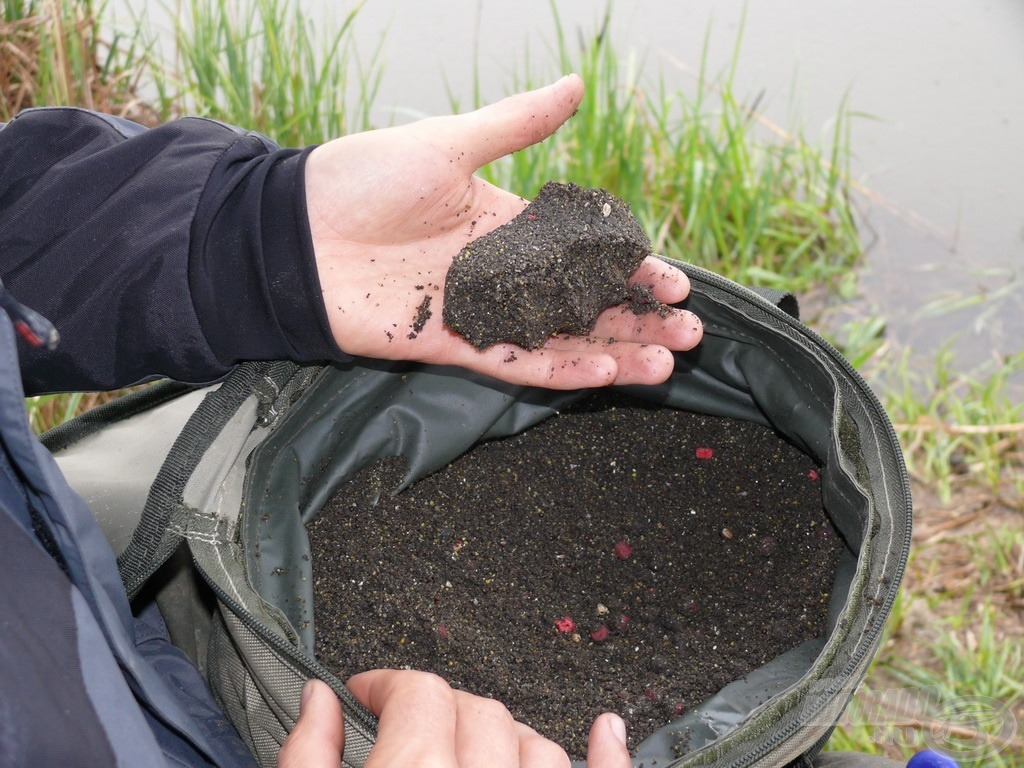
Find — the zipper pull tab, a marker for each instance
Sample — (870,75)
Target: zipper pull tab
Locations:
(30,325)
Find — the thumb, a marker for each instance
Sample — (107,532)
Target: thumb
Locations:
(606,747)
(516,122)
(318,738)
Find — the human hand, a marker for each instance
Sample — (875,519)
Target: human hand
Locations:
(423,721)
(389,210)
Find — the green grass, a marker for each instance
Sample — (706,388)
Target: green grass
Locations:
(955,422)
(702,176)
(955,634)
(709,183)
(961,693)
(46,411)
(49,411)
(263,65)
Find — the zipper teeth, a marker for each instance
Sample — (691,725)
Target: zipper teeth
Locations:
(872,635)
(817,746)
(354,709)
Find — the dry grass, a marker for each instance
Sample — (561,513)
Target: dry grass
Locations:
(51,52)
(967,553)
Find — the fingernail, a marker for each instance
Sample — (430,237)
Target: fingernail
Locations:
(307,692)
(618,727)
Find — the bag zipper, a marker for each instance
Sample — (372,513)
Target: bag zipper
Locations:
(354,709)
(872,635)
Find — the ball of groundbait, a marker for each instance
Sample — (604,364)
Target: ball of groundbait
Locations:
(552,269)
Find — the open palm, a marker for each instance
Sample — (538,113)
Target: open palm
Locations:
(390,209)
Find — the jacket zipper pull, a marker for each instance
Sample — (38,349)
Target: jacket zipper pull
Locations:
(30,325)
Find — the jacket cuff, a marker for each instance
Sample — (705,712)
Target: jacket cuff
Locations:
(289,262)
(252,270)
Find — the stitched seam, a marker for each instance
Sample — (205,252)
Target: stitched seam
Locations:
(733,332)
(311,418)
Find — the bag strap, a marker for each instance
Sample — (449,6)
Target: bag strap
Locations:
(154,539)
(65,435)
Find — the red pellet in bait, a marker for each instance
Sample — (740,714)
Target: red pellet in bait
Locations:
(565,625)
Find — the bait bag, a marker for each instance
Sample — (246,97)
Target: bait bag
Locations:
(205,493)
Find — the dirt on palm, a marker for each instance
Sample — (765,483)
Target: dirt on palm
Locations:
(617,556)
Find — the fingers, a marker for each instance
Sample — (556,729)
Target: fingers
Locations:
(423,721)
(623,348)
(675,329)
(549,367)
(574,362)
(491,735)
(516,122)
(634,363)
(668,284)
(606,747)
(535,750)
(578,364)
(318,738)
(417,715)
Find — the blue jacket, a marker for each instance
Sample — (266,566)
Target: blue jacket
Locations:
(177,252)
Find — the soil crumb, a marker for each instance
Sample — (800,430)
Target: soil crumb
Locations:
(550,270)
(423,313)
(616,556)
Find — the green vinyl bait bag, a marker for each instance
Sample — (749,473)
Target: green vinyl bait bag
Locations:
(206,494)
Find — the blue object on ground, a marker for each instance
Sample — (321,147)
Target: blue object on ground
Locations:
(932,759)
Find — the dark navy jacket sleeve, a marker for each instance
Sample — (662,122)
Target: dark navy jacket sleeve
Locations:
(176,251)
